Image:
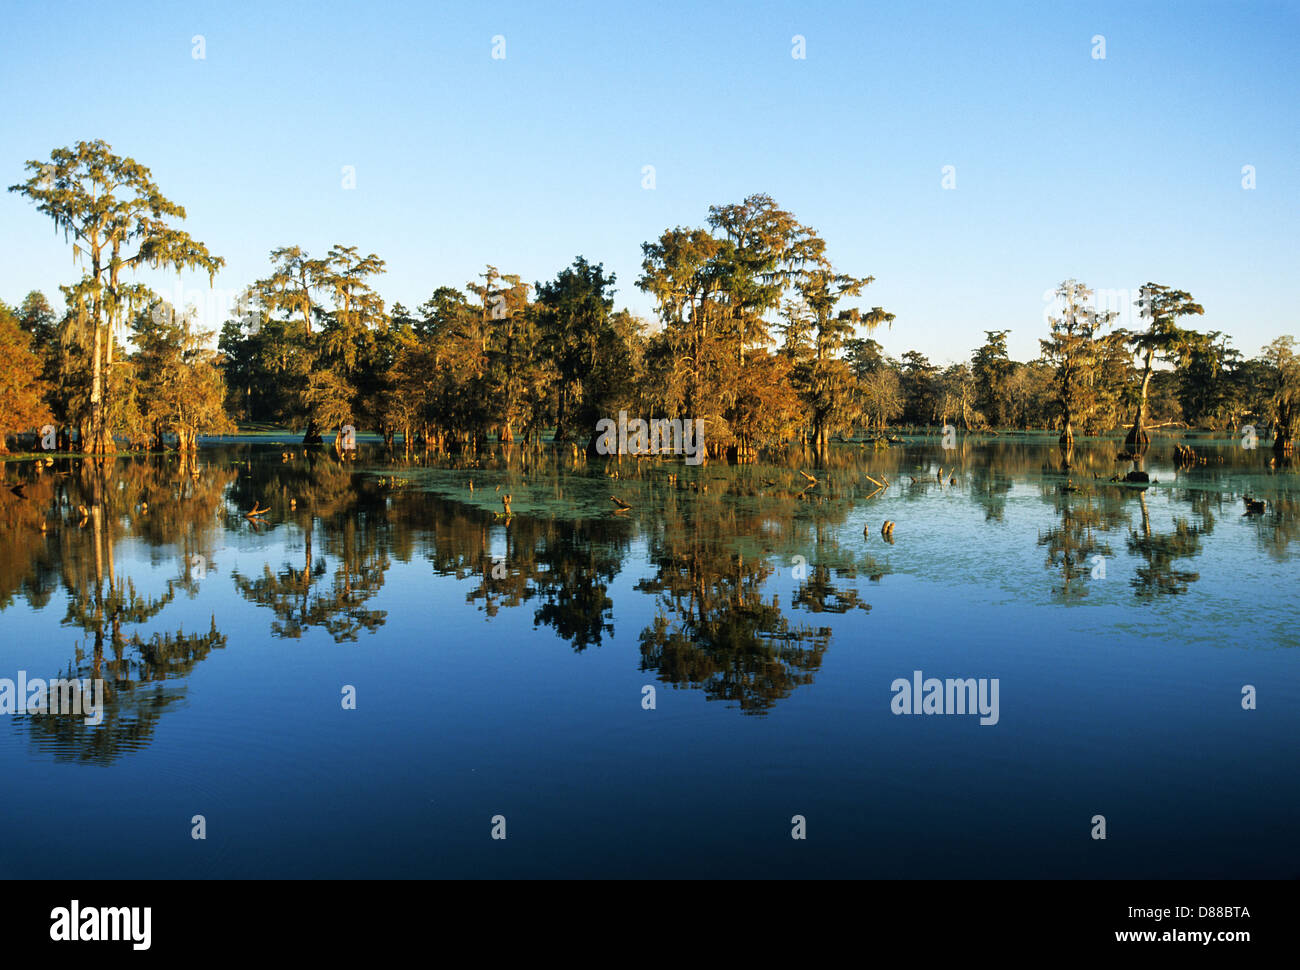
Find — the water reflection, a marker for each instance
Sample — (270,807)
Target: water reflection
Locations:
(748,569)
(715,630)
(1158,551)
(1076,547)
(64,523)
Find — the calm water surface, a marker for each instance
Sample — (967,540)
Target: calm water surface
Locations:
(499,665)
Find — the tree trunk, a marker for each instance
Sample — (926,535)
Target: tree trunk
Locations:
(562,413)
(1138,440)
(105,431)
(91,442)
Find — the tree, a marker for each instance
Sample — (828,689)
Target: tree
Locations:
(377,391)
(1205,388)
(272,349)
(310,347)
(1112,375)
(39,319)
(180,388)
(825,378)
(764,249)
(1250,393)
(508,333)
(108,206)
(1162,340)
(768,409)
(679,271)
(328,398)
(346,356)
(294,278)
(452,349)
(958,391)
(406,403)
(920,388)
(881,396)
(22,392)
(1031,397)
(991,370)
(573,311)
(716,292)
(864,357)
(617,379)
(1072,351)
(1284,400)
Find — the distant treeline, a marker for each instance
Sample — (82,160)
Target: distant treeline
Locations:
(756,335)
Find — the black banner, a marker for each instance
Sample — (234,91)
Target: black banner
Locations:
(179,919)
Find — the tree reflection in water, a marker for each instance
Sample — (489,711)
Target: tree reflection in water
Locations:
(721,545)
(67,519)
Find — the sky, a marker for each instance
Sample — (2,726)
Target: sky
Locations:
(1113,170)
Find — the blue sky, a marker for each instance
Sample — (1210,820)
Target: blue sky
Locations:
(1113,171)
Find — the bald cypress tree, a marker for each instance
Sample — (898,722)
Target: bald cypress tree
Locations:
(179,387)
(1162,340)
(117,221)
(1282,366)
(574,310)
(1073,352)
(22,392)
(825,378)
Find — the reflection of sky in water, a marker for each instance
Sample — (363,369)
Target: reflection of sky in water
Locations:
(521,694)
